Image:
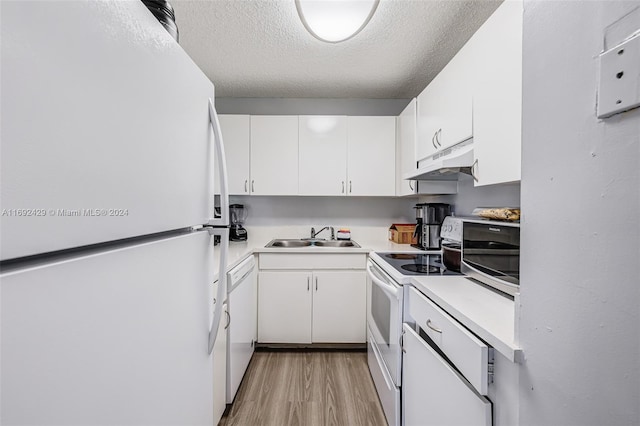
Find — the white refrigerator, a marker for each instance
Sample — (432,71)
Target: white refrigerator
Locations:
(110,145)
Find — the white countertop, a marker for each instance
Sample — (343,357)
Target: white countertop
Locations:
(240,250)
(489,315)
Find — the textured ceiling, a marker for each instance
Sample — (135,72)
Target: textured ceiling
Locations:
(259,48)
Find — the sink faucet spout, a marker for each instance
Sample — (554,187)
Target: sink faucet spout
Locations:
(314,234)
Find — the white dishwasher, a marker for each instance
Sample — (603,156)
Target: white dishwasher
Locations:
(242,305)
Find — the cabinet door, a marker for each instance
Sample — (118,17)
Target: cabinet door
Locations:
(444,106)
(323,155)
(433,393)
(497,103)
(371,150)
(406,149)
(220,368)
(455,99)
(236,135)
(429,119)
(274,155)
(284,307)
(339,307)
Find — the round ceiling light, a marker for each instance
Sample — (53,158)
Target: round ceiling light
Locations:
(334,21)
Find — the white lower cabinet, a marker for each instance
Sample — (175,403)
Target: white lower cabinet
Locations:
(310,299)
(433,392)
(220,368)
(339,304)
(284,307)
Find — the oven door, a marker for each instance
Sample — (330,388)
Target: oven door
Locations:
(384,317)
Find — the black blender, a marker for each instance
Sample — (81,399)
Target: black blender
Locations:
(238,215)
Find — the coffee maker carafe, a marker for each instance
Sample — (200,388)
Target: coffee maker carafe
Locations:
(238,215)
(429,217)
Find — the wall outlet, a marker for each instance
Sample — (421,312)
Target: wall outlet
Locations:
(619,86)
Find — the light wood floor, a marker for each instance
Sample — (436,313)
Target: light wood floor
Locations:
(306,388)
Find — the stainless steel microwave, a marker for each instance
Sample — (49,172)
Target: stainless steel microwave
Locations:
(491,254)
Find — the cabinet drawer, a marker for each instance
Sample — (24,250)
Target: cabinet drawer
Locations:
(435,394)
(469,354)
(313,261)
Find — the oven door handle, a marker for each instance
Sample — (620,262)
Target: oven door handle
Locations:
(390,289)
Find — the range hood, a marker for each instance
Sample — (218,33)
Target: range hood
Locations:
(445,165)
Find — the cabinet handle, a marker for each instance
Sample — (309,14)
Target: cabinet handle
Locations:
(343,187)
(228,319)
(245,185)
(252,187)
(401,341)
(410,186)
(473,170)
(308,283)
(437,330)
(438,133)
(349,187)
(433,140)
(316,283)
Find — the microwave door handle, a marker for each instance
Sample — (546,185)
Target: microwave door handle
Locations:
(387,288)
(218,143)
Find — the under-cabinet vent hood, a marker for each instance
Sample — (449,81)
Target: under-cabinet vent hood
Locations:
(445,165)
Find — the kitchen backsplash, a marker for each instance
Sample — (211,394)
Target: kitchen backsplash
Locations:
(470,197)
(331,211)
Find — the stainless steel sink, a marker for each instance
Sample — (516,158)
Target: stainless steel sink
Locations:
(337,244)
(289,243)
(294,243)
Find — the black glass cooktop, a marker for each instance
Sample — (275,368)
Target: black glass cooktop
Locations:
(417,263)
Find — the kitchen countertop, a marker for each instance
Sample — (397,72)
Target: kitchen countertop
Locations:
(240,250)
(489,315)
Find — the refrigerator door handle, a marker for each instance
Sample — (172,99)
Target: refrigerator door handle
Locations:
(223,220)
(222,282)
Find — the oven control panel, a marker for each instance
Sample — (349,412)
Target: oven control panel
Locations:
(451,229)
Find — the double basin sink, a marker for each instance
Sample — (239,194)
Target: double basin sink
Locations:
(299,243)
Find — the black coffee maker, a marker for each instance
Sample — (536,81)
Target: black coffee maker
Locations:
(238,215)
(429,217)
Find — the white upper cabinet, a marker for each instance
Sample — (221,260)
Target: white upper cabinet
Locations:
(236,136)
(444,115)
(406,149)
(322,155)
(371,156)
(274,155)
(497,102)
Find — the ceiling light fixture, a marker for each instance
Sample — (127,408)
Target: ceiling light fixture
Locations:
(334,21)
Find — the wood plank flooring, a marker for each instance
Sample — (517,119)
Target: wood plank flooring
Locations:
(306,388)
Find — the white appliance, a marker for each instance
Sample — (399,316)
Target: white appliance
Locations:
(242,333)
(446,164)
(388,277)
(109,138)
(384,322)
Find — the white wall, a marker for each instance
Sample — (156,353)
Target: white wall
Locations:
(310,106)
(580,322)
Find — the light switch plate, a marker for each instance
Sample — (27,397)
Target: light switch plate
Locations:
(619,86)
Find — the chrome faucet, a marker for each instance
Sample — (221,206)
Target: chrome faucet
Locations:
(314,234)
